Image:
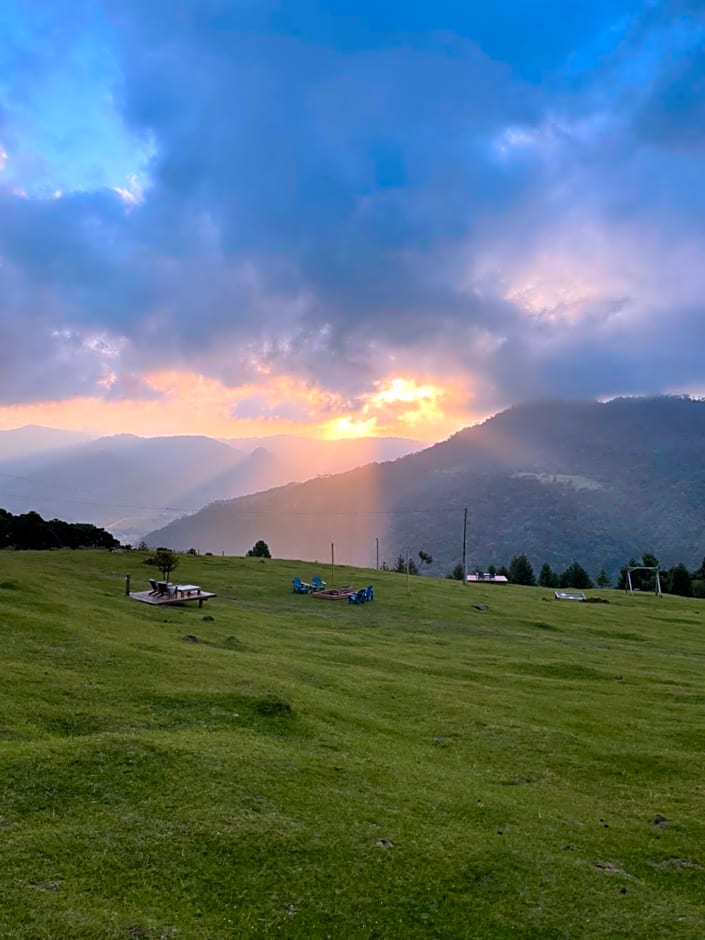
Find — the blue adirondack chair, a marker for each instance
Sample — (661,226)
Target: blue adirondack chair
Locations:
(299,586)
(370,593)
(317,583)
(359,597)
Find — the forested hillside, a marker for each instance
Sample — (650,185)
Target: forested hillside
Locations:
(560,481)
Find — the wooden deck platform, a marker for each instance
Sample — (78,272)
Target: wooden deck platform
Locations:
(159,600)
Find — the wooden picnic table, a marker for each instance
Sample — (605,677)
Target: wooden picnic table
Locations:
(186,590)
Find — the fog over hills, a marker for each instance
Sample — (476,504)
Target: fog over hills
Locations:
(130,484)
(34,439)
(307,458)
(561,481)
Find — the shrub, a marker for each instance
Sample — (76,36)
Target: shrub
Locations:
(259,550)
(698,588)
(456,574)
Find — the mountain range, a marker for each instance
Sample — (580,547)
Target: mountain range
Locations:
(561,481)
(129,484)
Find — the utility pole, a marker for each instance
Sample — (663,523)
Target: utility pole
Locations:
(465,545)
(408,588)
(377,541)
(332,564)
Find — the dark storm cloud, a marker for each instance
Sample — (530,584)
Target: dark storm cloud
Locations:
(329,188)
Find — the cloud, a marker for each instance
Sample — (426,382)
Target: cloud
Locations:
(340,196)
(261,406)
(38,362)
(673,114)
(128,387)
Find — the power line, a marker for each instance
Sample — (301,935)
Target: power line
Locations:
(35,482)
(242,512)
(208,507)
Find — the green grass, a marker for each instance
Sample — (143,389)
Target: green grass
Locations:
(409,768)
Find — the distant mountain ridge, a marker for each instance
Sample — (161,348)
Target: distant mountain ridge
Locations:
(35,439)
(130,484)
(562,481)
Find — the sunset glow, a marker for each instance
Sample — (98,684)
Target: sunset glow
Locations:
(348,427)
(329,260)
(405,390)
(189,403)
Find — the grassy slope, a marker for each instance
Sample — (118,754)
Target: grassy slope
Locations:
(144,793)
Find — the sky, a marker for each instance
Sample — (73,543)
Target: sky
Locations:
(345,219)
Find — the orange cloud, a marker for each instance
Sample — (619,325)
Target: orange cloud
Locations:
(190,403)
(401,406)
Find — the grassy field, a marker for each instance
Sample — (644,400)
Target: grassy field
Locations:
(413,767)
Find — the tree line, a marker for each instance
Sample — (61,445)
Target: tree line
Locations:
(675,580)
(29,531)
(404,565)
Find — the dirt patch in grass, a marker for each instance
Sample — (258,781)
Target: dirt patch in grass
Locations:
(147,933)
(660,821)
(45,885)
(678,864)
(609,868)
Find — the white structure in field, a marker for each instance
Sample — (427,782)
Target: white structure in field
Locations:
(657,583)
(569,596)
(487,578)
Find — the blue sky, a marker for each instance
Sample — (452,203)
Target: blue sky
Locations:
(283,209)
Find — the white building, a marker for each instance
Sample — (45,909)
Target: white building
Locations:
(487,578)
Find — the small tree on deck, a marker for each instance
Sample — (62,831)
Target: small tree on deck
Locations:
(165,560)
